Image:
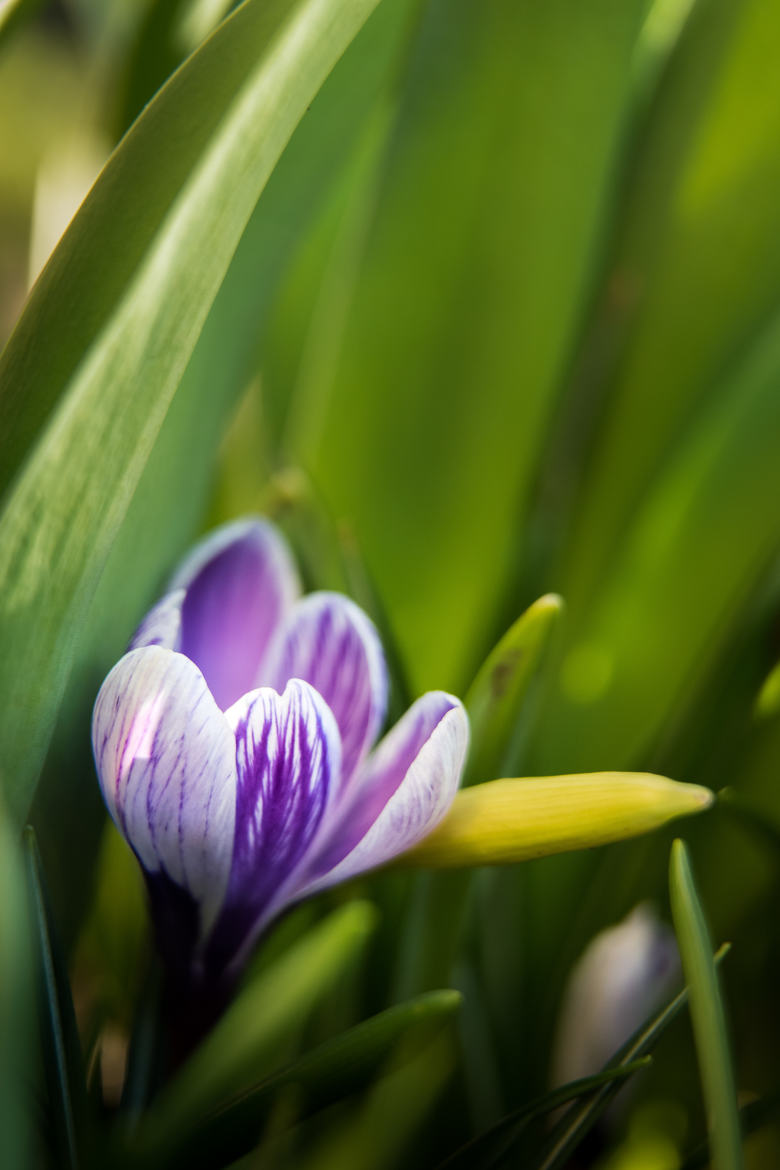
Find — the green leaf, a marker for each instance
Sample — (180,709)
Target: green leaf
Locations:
(330,1073)
(490,1148)
(62,1060)
(495,697)
(668,600)
(709,1022)
(578,1120)
(683,240)
(498,285)
(16,1007)
(263,1015)
(334,1070)
(121,339)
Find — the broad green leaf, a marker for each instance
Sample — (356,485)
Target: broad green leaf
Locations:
(220,128)
(62,1054)
(683,240)
(332,1071)
(506,821)
(16,1006)
(670,598)
(490,1148)
(494,699)
(707,1015)
(579,1119)
(268,1009)
(465,303)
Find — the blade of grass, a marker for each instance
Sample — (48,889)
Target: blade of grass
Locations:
(707,1014)
(495,698)
(266,1011)
(63,1064)
(489,1148)
(16,1010)
(334,1070)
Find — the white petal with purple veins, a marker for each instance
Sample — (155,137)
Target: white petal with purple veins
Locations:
(405,790)
(166,759)
(239,584)
(162,624)
(288,760)
(329,642)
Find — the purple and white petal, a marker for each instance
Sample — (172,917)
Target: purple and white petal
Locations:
(166,759)
(329,642)
(405,789)
(162,624)
(288,760)
(239,584)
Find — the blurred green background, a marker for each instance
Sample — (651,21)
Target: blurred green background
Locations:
(505,321)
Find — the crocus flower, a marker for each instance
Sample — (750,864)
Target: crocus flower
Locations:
(233,740)
(617,982)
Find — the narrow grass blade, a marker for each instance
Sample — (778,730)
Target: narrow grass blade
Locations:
(707,1014)
(264,1013)
(506,821)
(494,699)
(16,1009)
(331,1072)
(487,1150)
(578,1120)
(63,1064)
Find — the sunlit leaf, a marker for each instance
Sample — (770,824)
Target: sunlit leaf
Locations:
(464,306)
(494,699)
(142,317)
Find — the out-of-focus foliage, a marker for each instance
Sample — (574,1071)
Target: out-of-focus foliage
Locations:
(504,320)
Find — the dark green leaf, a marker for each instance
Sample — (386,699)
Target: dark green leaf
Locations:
(331,1072)
(16,1005)
(491,1147)
(63,1065)
(269,1009)
(707,1014)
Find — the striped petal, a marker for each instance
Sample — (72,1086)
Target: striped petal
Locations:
(165,756)
(404,791)
(162,624)
(329,642)
(225,604)
(288,759)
